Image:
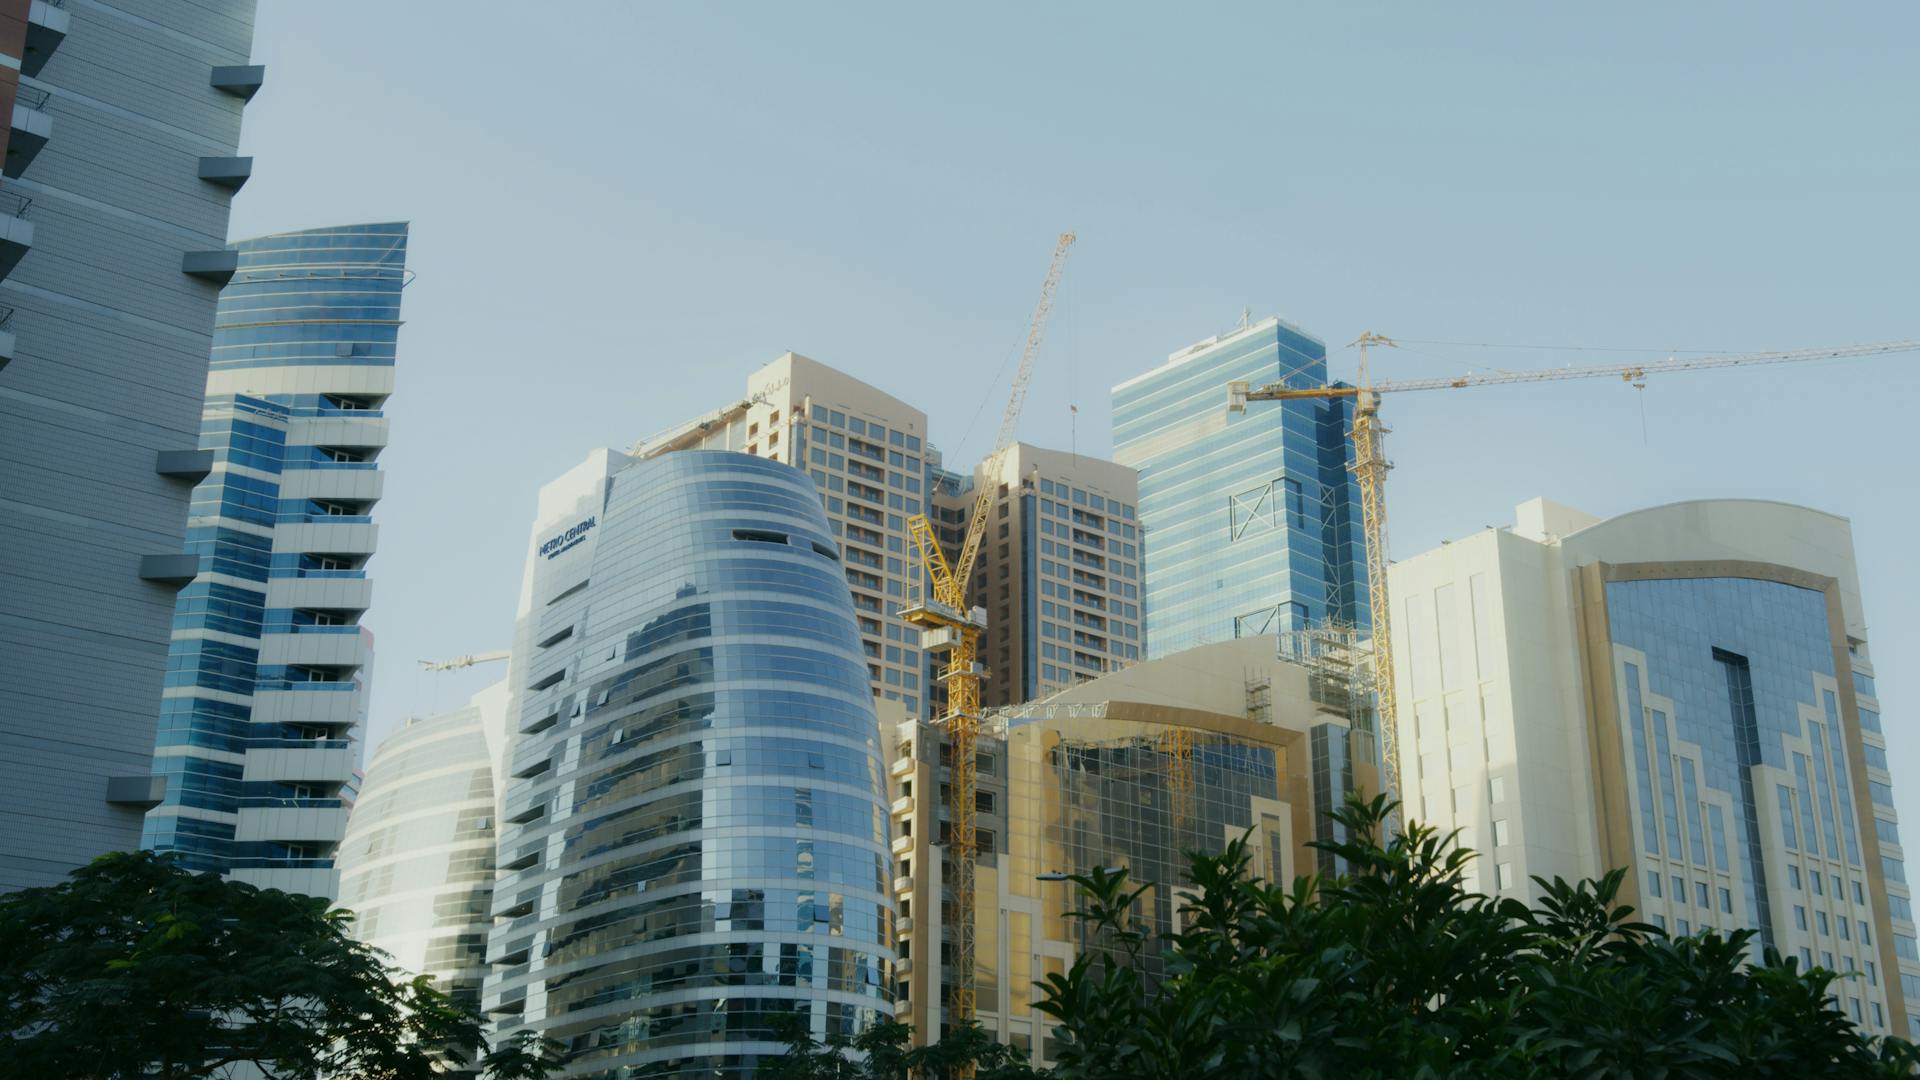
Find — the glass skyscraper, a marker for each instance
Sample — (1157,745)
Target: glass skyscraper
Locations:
(265,684)
(416,864)
(1252,521)
(694,838)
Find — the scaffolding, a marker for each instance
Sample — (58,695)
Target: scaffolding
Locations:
(1338,659)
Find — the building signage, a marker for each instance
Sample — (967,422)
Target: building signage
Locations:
(565,541)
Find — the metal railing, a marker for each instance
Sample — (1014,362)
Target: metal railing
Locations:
(32,97)
(6,319)
(14,204)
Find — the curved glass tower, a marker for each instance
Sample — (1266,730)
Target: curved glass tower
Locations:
(694,841)
(416,864)
(265,677)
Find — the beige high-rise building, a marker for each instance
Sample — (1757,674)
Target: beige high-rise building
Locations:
(1683,692)
(866,452)
(1059,572)
(1131,770)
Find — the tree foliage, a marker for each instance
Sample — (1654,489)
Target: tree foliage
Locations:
(1395,969)
(881,1052)
(136,968)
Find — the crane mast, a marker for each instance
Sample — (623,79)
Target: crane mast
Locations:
(1370,471)
(946,622)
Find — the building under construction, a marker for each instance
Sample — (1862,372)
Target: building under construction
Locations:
(1128,770)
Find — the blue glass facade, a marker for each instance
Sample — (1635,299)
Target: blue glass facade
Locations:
(695,837)
(1251,520)
(303,351)
(1735,735)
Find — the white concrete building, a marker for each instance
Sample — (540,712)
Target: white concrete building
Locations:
(1684,692)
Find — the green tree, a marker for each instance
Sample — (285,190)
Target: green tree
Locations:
(1395,969)
(136,968)
(881,1052)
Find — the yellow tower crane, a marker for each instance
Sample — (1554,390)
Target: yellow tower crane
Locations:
(1370,469)
(946,623)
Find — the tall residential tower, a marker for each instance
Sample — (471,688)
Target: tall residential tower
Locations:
(118,175)
(1059,572)
(266,680)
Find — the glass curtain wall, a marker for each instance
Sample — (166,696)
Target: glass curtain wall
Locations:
(695,833)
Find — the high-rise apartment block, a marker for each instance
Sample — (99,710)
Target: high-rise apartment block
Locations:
(1252,520)
(1059,573)
(417,861)
(866,452)
(1130,770)
(1684,692)
(266,686)
(694,838)
(119,171)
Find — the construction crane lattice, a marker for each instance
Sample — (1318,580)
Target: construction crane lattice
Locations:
(947,622)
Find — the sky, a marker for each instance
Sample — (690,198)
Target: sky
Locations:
(620,209)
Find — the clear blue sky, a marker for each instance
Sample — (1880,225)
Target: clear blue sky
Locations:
(620,209)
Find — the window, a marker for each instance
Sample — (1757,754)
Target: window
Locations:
(1500,832)
(1497,789)
(1799,917)
(1700,893)
(1726,900)
(1505,872)
(1820,919)
(1653,884)
(1793,876)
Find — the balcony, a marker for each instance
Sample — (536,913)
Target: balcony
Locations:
(240,80)
(902,845)
(189,465)
(301,765)
(333,711)
(145,792)
(175,570)
(326,649)
(316,592)
(334,484)
(343,538)
(217,265)
(348,429)
(6,336)
(231,173)
(292,823)
(31,128)
(311,881)
(16,232)
(46,29)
